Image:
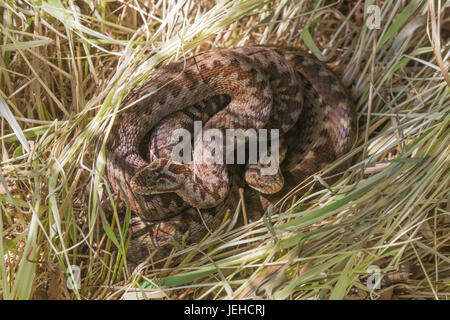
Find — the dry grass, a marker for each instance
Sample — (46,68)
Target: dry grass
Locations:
(66,65)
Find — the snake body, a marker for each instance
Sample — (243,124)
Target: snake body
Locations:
(204,182)
(240,88)
(159,234)
(180,85)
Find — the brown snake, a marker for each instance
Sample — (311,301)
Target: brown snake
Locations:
(205,185)
(228,90)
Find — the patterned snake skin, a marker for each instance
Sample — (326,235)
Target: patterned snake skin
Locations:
(205,185)
(240,88)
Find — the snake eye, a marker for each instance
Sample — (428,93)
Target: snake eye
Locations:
(160,181)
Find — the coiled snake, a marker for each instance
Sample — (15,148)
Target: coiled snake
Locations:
(242,88)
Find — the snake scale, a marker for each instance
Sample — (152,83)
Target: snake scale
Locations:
(242,88)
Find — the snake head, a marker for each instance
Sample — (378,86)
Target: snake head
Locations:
(160,176)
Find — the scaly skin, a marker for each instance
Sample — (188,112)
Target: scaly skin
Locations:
(325,130)
(205,185)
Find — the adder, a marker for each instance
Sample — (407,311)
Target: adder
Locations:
(204,182)
(324,131)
